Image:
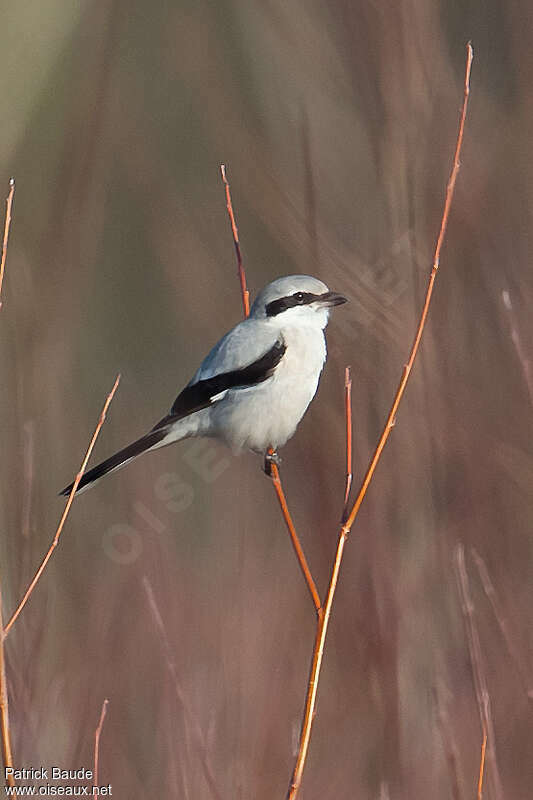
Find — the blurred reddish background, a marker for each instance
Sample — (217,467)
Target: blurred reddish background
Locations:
(337,122)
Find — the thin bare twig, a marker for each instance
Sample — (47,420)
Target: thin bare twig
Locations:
(97,734)
(478,672)
(348,415)
(490,591)
(482,765)
(242,275)
(65,514)
(311,585)
(7,225)
(323,620)
(194,725)
(4,699)
(4,706)
(274,472)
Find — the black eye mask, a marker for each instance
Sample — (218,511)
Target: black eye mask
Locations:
(292,300)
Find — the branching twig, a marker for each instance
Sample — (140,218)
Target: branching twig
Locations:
(242,275)
(324,619)
(7,224)
(478,672)
(348,415)
(65,514)
(97,734)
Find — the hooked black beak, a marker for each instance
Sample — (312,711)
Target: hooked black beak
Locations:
(332,299)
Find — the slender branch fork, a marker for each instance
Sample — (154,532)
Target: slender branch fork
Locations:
(4,630)
(389,424)
(65,514)
(324,610)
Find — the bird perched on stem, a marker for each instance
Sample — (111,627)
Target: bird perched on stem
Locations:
(255,385)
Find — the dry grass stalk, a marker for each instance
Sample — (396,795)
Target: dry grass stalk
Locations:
(449,743)
(478,671)
(65,514)
(97,734)
(193,724)
(7,225)
(323,621)
(490,591)
(521,351)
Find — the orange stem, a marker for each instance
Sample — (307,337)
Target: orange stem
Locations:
(323,620)
(65,514)
(482,765)
(274,472)
(276,482)
(97,734)
(7,225)
(245,294)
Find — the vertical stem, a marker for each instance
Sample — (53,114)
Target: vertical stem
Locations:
(318,652)
(348,415)
(97,734)
(7,225)
(245,294)
(4,704)
(323,620)
(482,765)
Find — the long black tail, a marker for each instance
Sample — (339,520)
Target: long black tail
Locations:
(119,459)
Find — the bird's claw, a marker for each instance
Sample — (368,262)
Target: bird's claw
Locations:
(271,458)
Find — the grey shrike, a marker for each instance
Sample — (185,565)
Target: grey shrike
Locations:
(255,385)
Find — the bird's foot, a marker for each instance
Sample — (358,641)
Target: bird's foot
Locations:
(271,457)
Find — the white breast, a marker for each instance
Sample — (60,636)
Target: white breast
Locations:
(268,414)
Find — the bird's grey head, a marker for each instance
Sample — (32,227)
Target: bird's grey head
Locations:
(296,299)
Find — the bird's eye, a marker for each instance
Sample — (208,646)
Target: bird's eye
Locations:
(299,297)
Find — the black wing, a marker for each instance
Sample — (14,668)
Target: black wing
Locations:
(204,393)
(193,398)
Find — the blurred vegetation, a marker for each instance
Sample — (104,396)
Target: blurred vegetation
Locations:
(337,123)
